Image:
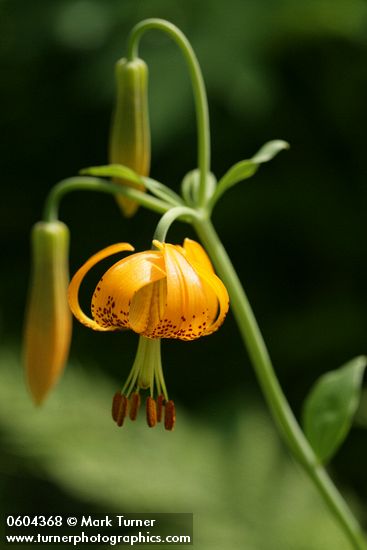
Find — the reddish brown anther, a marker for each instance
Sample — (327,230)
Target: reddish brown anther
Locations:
(160,404)
(116,404)
(122,411)
(170,415)
(151,410)
(134,405)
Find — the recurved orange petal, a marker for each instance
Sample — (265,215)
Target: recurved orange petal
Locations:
(113,302)
(148,309)
(187,308)
(73,293)
(196,253)
(221,293)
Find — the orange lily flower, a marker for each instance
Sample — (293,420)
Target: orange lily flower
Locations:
(169,292)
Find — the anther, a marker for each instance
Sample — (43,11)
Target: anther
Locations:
(170,415)
(151,410)
(121,413)
(116,404)
(134,405)
(160,400)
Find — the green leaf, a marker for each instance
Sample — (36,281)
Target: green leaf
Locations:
(330,407)
(190,186)
(247,168)
(269,150)
(123,172)
(162,191)
(113,171)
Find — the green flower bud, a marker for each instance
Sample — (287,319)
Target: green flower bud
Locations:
(48,320)
(130,133)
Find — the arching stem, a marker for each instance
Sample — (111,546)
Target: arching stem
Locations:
(198,86)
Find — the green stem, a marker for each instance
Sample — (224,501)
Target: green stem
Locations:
(51,208)
(169,217)
(272,390)
(201,102)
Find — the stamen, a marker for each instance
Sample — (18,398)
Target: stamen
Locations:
(122,410)
(134,405)
(160,400)
(170,415)
(151,410)
(116,404)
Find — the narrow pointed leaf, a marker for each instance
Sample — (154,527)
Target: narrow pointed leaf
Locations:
(330,407)
(247,168)
(113,171)
(162,191)
(269,150)
(123,172)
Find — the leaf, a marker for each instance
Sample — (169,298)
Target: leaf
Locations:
(162,191)
(269,150)
(247,168)
(113,171)
(123,172)
(330,407)
(191,183)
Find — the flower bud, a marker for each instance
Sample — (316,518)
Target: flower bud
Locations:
(48,319)
(130,134)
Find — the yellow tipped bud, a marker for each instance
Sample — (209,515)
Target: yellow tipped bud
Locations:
(130,134)
(48,320)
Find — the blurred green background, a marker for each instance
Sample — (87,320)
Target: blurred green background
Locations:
(296,233)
